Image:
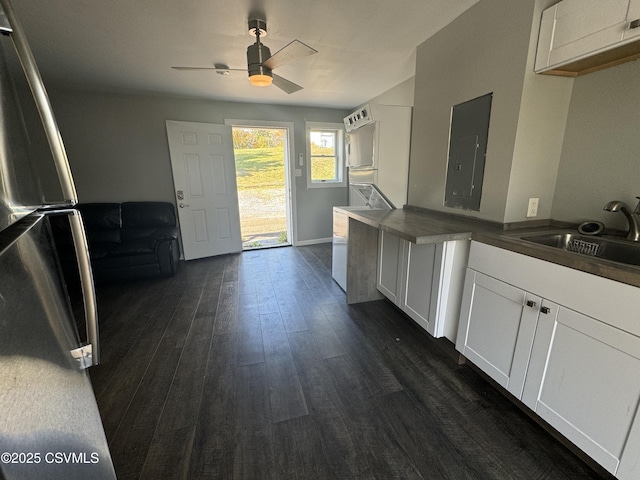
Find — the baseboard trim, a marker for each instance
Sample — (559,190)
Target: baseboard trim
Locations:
(315,241)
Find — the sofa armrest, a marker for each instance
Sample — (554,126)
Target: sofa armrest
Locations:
(165,233)
(168,254)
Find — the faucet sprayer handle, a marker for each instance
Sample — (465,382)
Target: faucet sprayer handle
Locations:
(637,209)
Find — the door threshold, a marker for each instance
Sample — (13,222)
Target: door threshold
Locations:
(246,248)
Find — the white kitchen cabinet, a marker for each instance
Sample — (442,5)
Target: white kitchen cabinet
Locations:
(570,351)
(584,380)
(497,325)
(389,265)
(633,20)
(580,36)
(424,280)
(420,282)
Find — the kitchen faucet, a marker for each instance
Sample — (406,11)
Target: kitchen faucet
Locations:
(632,217)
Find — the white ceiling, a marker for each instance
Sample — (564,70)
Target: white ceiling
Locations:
(364,47)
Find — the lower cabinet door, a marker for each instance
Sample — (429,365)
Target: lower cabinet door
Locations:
(420,288)
(584,380)
(389,265)
(497,327)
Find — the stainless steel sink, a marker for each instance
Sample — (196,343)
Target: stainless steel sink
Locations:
(607,248)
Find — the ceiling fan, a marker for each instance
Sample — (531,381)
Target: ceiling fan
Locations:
(260,62)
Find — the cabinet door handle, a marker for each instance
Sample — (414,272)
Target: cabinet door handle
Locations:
(531,303)
(545,310)
(634,24)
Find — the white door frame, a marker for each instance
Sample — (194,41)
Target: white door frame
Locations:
(290,184)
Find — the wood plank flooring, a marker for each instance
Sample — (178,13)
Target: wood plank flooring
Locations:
(252,366)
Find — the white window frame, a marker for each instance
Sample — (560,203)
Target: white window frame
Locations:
(340,153)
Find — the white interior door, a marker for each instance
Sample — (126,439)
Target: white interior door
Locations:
(204,179)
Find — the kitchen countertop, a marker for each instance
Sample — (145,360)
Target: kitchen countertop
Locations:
(418,226)
(424,226)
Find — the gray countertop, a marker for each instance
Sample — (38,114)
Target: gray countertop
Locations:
(422,226)
(417,226)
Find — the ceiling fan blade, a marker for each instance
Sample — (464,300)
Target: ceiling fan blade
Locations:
(294,50)
(212,68)
(285,85)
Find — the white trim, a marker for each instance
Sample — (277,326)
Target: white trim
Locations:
(292,225)
(315,241)
(341,146)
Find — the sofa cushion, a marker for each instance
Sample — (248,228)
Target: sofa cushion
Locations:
(124,262)
(101,216)
(104,236)
(102,222)
(134,247)
(148,215)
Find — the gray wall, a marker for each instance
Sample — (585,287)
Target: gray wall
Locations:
(467,59)
(490,48)
(601,151)
(118,151)
(573,143)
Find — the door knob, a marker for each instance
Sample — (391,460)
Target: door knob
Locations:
(183,205)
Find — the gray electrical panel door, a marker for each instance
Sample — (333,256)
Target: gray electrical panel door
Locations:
(467,150)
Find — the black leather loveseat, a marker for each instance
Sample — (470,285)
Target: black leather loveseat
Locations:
(131,240)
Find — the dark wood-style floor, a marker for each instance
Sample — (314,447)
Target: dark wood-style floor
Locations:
(252,366)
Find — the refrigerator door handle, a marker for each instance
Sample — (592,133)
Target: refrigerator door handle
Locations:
(87,355)
(42,102)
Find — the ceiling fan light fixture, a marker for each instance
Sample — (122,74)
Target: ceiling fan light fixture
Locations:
(260,80)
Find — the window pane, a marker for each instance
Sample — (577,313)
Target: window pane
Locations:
(325,147)
(323,143)
(323,168)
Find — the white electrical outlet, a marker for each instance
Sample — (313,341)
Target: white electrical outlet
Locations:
(532,211)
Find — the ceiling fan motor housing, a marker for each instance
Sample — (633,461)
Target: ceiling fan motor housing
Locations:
(257,54)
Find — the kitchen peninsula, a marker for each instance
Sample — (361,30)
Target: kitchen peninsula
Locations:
(415,258)
(415,225)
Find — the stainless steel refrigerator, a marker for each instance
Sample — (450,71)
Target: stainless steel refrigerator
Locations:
(50,426)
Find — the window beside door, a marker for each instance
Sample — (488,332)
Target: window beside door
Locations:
(325,155)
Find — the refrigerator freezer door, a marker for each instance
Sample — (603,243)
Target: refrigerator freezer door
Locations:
(50,426)
(20,191)
(34,171)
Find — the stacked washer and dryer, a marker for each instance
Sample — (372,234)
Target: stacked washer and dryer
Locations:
(378,145)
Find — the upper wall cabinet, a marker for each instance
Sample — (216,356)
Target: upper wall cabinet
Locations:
(582,36)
